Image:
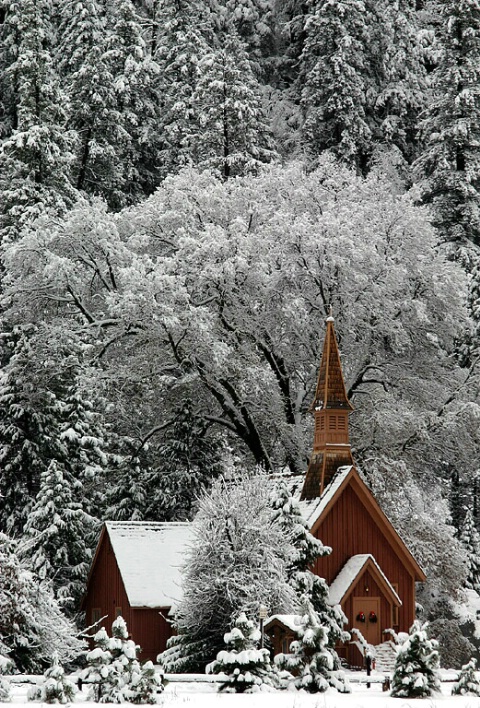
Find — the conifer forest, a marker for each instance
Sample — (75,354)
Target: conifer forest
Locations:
(186,188)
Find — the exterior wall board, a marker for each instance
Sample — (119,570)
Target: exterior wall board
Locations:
(349,530)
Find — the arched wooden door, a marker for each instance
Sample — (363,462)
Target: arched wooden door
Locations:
(370,607)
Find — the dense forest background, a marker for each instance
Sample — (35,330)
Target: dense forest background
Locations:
(185,190)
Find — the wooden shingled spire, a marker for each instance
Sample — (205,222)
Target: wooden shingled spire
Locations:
(330,408)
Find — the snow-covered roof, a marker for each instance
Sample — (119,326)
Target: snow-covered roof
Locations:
(292,622)
(312,509)
(349,573)
(149,557)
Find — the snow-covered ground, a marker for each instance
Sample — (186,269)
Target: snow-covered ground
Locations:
(182,695)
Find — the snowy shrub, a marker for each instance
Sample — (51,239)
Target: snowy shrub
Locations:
(247,667)
(116,673)
(56,688)
(468,683)
(416,665)
(238,559)
(311,660)
(5,667)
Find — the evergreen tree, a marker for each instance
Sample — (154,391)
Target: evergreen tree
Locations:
(136,86)
(88,72)
(190,457)
(115,672)
(416,666)
(310,588)
(56,688)
(467,683)
(334,81)
(248,668)
(403,90)
(449,166)
(32,626)
(60,534)
(311,661)
(470,538)
(231,132)
(37,153)
(184,41)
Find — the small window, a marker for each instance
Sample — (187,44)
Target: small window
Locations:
(332,422)
(118,612)
(322,423)
(341,423)
(96,615)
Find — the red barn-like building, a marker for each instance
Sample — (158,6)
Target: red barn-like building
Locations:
(371,572)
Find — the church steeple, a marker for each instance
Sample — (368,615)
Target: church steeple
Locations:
(330,408)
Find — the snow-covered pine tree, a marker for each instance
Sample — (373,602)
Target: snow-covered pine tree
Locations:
(36,157)
(308,586)
(88,74)
(145,684)
(98,661)
(416,665)
(311,660)
(25,413)
(59,534)
(56,687)
(248,668)
(470,538)
(185,37)
(237,560)
(115,672)
(333,81)
(32,626)
(136,77)
(467,683)
(189,459)
(232,134)
(449,165)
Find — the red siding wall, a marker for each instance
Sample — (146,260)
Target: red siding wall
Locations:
(349,529)
(106,592)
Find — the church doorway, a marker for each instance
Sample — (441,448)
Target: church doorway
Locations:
(366,618)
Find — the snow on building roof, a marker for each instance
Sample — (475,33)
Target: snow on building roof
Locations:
(150,556)
(312,509)
(292,622)
(349,573)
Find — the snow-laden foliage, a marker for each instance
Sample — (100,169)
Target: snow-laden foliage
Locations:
(5,667)
(467,683)
(309,587)
(214,291)
(56,687)
(238,559)
(416,666)
(448,168)
(311,661)
(32,627)
(469,537)
(247,667)
(115,672)
(59,534)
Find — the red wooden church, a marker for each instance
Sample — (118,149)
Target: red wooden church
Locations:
(371,572)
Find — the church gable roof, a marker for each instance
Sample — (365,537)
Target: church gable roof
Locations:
(316,511)
(345,581)
(149,557)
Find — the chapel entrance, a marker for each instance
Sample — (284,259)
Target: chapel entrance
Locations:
(368,607)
